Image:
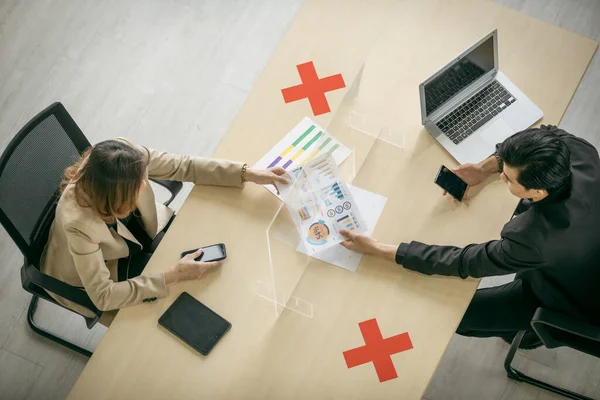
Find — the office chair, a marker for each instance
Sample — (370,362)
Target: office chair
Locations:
(31,168)
(556,330)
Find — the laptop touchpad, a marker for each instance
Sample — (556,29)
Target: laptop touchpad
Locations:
(497,131)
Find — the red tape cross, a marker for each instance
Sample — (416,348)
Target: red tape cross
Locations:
(313,88)
(378,350)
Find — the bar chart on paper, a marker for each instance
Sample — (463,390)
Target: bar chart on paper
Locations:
(348,222)
(302,144)
(334,190)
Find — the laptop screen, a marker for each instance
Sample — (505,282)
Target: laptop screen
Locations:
(459,75)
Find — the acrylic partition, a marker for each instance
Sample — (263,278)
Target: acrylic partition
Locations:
(372,142)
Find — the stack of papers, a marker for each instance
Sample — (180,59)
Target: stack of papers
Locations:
(301,145)
(320,203)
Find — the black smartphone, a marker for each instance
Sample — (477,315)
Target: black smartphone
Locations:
(216,252)
(451,183)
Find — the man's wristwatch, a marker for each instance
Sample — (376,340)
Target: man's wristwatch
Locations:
(500,163)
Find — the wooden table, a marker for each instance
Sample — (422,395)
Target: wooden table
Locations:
(399,44)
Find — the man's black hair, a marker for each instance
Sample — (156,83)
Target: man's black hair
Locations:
(542,159)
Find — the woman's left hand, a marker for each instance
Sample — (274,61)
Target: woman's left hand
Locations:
(266,176)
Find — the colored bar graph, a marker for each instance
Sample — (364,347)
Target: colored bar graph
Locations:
(303,149)
(334,190)
(333,148)
(314,153)
(317,136)
(274,163)
(347,221)
(290,148)
(304,213)
(291,160)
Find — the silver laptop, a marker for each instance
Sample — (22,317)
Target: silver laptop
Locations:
(469,105)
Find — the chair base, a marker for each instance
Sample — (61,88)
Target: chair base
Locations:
(521,377)
(49,335)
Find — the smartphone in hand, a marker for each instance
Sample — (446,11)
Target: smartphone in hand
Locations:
(216,252)
(451,183)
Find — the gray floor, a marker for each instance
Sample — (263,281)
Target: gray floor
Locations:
(172,74)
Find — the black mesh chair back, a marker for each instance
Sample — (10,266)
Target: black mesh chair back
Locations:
(31,169)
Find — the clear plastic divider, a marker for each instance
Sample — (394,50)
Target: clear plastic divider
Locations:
(364,134)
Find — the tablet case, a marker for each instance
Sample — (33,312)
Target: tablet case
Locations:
(194,323)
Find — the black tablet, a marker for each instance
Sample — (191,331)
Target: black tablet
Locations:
(194,323)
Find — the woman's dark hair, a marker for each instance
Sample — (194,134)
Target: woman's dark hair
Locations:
(107,178)
(542,159)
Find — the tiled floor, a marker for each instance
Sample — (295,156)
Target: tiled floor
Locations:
(172,74)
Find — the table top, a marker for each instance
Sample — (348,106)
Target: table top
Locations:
(397,45)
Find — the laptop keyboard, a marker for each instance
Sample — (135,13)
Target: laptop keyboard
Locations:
(475,112)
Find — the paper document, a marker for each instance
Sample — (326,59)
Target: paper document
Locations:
(320,204)
(371,206)
(302,144)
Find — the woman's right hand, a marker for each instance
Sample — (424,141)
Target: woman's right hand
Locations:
(187,269)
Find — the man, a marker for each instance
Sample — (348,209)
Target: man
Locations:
(552,244)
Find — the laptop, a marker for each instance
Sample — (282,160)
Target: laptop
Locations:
(469,105)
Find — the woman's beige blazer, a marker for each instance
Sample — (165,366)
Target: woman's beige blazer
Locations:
(84,252)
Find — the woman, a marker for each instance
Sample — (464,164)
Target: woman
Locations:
(107,218)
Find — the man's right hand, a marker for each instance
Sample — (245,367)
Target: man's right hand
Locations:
(368,245)
(188,268)
(474,174)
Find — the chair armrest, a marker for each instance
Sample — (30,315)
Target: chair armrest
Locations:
(60,288)
(544,319)
(172,186)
